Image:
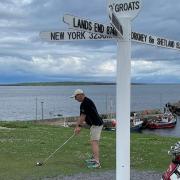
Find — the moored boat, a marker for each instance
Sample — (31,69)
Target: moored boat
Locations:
(109,124)
(167,120)
(136,123)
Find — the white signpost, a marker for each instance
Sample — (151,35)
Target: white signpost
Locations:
(121,13)
(124,11)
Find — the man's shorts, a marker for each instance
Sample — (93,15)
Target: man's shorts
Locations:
(95,132)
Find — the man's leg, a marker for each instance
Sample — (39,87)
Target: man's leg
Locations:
(95,149)
(95,133)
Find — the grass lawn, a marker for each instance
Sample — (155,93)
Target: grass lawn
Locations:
(23,146)
(26,143)
(150,152)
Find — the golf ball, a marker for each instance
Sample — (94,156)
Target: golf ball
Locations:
(38,163)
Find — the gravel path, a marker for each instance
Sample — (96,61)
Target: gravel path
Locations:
(110,175)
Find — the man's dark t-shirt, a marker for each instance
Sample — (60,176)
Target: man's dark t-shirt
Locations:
(88,108)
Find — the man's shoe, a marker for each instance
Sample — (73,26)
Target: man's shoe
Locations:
(94,165)
(89,161)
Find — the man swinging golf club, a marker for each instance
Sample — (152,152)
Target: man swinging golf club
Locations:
(89,114)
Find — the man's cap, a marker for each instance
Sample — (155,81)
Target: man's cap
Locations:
(76,92)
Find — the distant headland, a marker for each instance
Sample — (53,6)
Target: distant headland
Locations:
(61,83)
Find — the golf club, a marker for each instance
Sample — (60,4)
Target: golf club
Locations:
(40,163)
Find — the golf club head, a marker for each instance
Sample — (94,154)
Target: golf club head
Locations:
(39,163)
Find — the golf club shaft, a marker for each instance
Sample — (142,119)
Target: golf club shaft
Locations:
(59,148)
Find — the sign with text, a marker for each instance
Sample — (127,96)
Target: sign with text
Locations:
(155,41)
(72,35)
(83,35)
(125,8)
(89,26)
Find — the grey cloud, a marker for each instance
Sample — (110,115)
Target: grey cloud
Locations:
(22,51)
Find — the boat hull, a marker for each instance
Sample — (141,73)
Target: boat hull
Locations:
(159,125)
(137,127)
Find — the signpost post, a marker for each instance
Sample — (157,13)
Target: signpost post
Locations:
(121,13)
(123,74)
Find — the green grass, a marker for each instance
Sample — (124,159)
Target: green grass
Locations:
(26,143)
(149,152)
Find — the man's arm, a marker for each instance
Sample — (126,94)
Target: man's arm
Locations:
(79,123)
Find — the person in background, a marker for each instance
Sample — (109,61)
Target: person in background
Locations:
(89,115)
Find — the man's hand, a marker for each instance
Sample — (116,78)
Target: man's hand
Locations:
(77,130)
(79,123)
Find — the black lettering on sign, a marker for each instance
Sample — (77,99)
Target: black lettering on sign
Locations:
(95,36)
(82,24)
(137,5)
(80,35)
(57,35)
(71,35)
(105,37)
(118,7)
(131,6)
(98,36)
(133,35)
(76,35)
(111,30)
(151,40)
(165,42)
(98,28)
(127,6)
(178,45)
(161,42)
(171,44)
(83,35)
(138,37)
(91,36)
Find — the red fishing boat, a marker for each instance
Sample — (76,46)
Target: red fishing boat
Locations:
(167,120)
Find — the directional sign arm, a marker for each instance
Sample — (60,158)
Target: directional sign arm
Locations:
(82,24)
(67,18)
(115,23)
(155,41)
(59,36)
(137,37)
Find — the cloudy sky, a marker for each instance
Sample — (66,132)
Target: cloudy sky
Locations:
(24,57)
